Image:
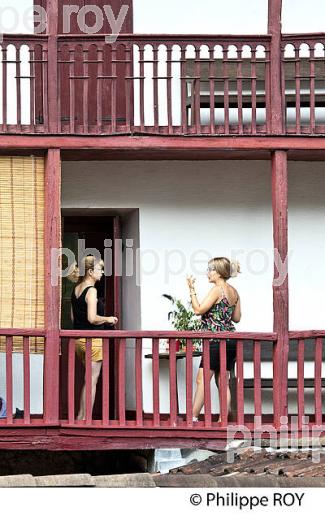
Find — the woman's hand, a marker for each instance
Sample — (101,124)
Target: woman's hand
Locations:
(191,282)
(112,320)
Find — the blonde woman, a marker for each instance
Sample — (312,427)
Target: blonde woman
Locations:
(219,310)
(87,313)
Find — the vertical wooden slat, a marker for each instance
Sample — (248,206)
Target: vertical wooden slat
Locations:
(173,396)
(297,86)
(189,383)
(223,384)
(212,75)
(312,90)
(226,88)
(71,380)
(52,29)
(45,92)
(72,90)
(184,108)
(52,242)
(155,382)
(128,88)
(138,381)
(257,380)
(268,93)
(206,382)
(142,79)
(18,87)
(274,29)
(100,89)
(240,382)
(105,380)
(197,89)
(4,88)
(26,370)
(318,380)
(9,348)
(85,93)
(253,87)
(240,90)
(155,88)
(121,381)
(301,381)
(88,382)
(113,89)
(169,90)
(31,51)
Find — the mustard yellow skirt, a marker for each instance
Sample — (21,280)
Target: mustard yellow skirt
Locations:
(96,349)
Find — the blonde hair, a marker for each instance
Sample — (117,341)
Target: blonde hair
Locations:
(225,268)
(88,262)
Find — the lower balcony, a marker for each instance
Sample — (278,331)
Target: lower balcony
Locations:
(145,392)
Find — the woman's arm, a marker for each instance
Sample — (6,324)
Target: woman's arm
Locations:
(209,300)
(236,315)
(92,316)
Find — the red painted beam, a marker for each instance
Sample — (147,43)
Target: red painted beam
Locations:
(52,293)
(156,334)
(274,29)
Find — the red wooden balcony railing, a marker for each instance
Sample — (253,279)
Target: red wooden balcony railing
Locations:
(160,85)
(18,379)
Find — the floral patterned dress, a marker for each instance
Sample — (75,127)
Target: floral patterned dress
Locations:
(217,319)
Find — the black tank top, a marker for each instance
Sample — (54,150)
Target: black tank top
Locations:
(79,308)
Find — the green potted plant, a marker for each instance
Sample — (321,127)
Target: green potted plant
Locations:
(183,318)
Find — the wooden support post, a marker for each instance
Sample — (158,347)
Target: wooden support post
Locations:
(280,282)
(52,291)
(274,29)
(52,29)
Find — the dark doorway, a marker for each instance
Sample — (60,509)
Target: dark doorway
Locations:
(95,232)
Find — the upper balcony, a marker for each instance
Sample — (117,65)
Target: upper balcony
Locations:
(162,85)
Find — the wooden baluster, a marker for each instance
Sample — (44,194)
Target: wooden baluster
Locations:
(240,382)
(121,381)
(155,382)
(318,380)
(85,93)
(223,384)
(88,382)
(267,82)
(138,381)
(257,380)
(212,75)
(298,87)
(142,80)
(155,89)
(71,380)
(100,80)
(173,391)
(45,93)
(9,349)
(189,383)
(184,121)
(206,382)
(72,90)
(128,88)
(253,88)
(105,386)
(26,370)
(4,88)
(114,89)
(18,87)
(301,381)
(169,90)
(31,60)
(312,91)
(197,91)
(239,81)
(226,89)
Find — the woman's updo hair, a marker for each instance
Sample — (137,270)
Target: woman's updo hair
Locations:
(86,263)
(226,268)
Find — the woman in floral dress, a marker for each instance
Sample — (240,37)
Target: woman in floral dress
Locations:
(219,310)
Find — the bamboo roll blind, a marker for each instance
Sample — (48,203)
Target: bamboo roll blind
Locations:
(22,247)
